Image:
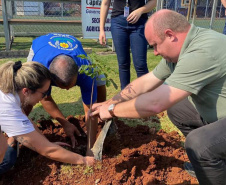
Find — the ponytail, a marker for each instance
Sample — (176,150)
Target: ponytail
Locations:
(15,76)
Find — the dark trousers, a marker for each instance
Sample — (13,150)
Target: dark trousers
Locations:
(205,143)
(9,160)
(126,36)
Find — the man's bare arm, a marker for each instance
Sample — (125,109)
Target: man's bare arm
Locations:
(147,104)
(142,85)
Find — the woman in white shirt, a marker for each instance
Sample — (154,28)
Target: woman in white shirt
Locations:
(21,85)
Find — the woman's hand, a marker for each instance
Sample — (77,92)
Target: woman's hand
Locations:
(134,16)
(102,38)
(88,160)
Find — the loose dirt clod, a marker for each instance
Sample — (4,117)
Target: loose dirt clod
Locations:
(136,157)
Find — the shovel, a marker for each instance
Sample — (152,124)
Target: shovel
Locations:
(98,145)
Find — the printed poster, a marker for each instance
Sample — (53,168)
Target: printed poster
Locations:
(91,19)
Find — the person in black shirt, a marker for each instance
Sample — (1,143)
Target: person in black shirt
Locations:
(127,28)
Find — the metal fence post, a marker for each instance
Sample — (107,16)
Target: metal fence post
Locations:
(189,10)
(62,9)
(192,4)
(158,5)
(213,15)
(10,16)
(220,11)
(207,2)
(113,46)
(6,24)
(194,12)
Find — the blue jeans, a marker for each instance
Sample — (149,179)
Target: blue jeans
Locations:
(9,160)
(224,30)
(205,143)
(124,36)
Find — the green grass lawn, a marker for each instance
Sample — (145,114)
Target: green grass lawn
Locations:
(69,101)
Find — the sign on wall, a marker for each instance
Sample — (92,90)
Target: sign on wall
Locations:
(91,19)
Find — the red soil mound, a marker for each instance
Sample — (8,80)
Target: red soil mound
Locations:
(135,155)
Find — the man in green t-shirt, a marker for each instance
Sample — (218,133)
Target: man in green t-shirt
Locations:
(189,82)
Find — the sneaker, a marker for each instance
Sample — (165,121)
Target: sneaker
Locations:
(189,169)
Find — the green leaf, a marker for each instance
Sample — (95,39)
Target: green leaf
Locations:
(114,84)
(82,56)
(108,83)
(96,68)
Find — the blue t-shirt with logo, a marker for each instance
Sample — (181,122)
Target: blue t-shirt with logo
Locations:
(49,46)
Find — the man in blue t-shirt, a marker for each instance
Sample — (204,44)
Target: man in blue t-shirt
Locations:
(58,52)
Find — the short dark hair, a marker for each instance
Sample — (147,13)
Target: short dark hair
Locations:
(63,75)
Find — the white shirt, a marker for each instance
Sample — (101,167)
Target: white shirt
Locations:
(12,120)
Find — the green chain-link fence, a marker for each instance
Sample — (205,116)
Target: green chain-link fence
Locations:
(34,18)
(40,15)
(203,13)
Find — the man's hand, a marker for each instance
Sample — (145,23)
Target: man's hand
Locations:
(96,106)
(70,129)
(101,110)
(51,107)
(95,110)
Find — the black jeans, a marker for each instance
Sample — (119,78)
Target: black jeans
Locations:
(205,143)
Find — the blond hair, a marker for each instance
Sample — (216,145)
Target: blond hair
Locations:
(30,75)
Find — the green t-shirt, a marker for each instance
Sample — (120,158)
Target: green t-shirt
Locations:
(201,70)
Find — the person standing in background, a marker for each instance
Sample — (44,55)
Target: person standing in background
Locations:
(127,28)
(224,4)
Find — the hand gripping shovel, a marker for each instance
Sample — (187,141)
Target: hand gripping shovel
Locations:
(98,145)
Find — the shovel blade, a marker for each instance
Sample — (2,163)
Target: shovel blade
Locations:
(98,145)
